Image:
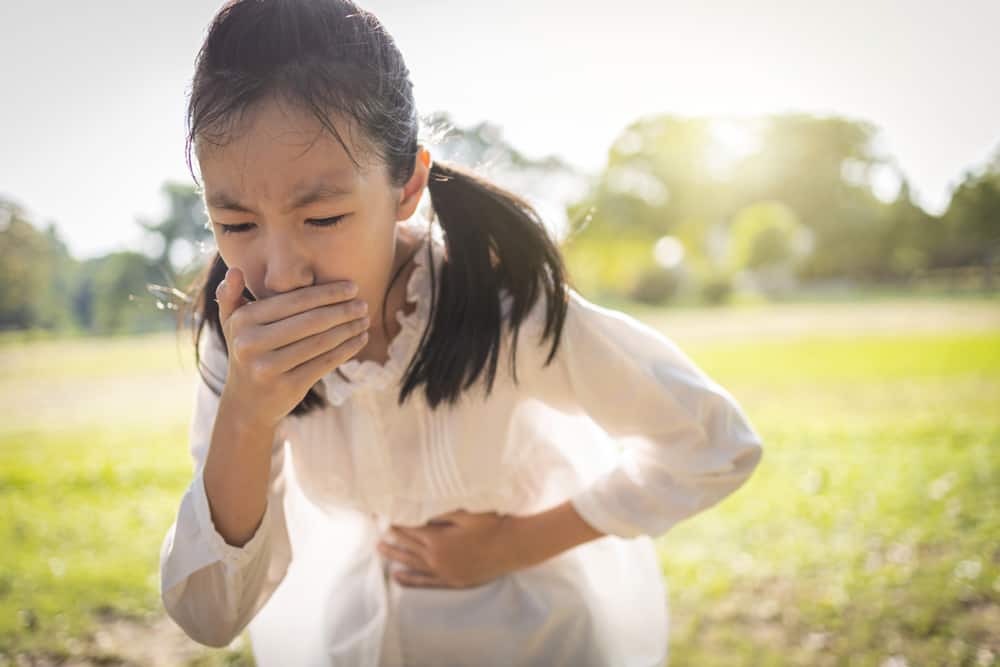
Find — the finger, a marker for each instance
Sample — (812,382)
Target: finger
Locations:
(223,298)
(288,357)
(229,293)
(310,372)
(403,556)
(282,306)
(406,541)
(319,320)
(422,579)
(414,533)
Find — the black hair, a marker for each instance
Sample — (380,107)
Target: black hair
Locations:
(332,57)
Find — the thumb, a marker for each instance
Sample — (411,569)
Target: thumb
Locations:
(229,293)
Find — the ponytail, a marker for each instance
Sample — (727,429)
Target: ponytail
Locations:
(495,241)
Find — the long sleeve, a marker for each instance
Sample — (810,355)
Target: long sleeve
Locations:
(686,442)
(209,587)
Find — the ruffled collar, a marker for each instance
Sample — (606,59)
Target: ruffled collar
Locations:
(371,374)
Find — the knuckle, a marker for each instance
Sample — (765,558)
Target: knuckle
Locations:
(333,337)
(299,301)
(259,370)
(239,344)
(327,315)
(247,311)
(236,319)
(352,333)
(350,309)
(322,340)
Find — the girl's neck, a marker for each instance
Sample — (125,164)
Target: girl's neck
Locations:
(377,347)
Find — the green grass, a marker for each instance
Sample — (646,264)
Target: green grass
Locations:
(83,515)
(870,530)
(94,357)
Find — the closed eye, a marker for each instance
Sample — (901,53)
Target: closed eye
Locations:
(245,226)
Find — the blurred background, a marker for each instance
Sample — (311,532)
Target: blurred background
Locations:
(805,196)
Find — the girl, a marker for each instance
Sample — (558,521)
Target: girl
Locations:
(413,444)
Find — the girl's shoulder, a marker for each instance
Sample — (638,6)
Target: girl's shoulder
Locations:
(576,311)
(546,327)
(590,333)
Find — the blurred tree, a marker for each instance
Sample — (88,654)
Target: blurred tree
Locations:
(655,182)
(766,243)
(36,272)
(911,239)
(691,178)
(547,183)
(656,175)
(180,234)
(822,169)
(657,285)
(972,221)
(763,234)
(24,278)
(56,308)
(113,296)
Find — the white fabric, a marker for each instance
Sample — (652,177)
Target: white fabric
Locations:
(622,422)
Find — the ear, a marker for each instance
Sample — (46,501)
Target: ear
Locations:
(409,198)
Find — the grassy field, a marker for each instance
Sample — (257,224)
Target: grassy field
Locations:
(870,535)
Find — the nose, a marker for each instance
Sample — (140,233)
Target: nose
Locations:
(289,265)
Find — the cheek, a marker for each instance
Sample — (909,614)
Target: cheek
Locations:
(226,248)
(336,261)
(234,253)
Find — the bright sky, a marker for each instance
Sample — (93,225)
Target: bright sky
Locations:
(92,121)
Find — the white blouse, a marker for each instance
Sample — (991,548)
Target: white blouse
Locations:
(621,422)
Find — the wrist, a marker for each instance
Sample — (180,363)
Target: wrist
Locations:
(544,535)
(246,424)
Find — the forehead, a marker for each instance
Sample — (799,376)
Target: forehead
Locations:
(276,151)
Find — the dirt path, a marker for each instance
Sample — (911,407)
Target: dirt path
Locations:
(157,644)
(131,642)
(793,320)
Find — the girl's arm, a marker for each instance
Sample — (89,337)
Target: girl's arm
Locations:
(223,558)
(539,537)
(686,442)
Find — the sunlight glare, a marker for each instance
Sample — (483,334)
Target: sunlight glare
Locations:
(731,140)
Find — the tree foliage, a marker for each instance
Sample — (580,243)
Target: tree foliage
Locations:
(767,201)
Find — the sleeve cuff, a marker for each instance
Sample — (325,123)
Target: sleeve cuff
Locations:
(233,557)
(587,504)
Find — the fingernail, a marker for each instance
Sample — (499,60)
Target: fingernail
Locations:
(219,288)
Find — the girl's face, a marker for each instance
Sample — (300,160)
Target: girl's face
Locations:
(290,209)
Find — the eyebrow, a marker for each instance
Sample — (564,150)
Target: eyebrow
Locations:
(320,191)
